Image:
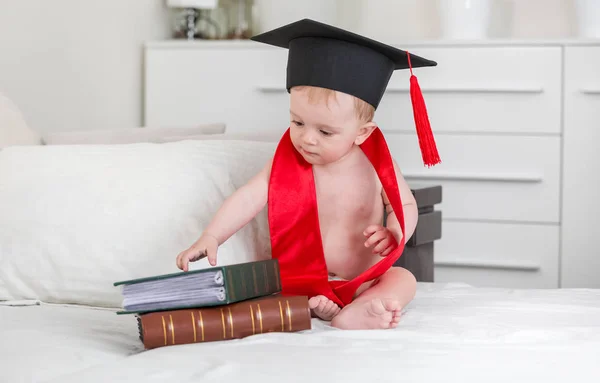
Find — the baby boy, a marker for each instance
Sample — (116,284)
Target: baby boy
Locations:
(329,183)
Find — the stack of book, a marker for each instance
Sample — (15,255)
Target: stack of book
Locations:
(213,304)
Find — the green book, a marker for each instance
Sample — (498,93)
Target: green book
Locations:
(220,285)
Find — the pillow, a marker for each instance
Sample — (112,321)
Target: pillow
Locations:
(74,219)
(13,128)
(127,136)
(264,137)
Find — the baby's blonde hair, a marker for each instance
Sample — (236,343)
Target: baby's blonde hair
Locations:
(364,111)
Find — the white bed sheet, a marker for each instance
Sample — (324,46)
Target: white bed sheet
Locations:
(448,333)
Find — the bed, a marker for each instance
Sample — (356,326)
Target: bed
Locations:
(76,218)
(450,332)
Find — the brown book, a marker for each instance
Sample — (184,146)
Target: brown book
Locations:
(234,321)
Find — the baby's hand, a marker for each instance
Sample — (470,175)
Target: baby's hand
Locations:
(205,246)
(382,237)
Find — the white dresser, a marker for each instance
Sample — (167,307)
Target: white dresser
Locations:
(516,124)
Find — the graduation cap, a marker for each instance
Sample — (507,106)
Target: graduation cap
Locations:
(325,56)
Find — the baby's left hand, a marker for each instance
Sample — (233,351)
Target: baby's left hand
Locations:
(382,237)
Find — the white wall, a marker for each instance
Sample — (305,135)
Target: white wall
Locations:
(77,64)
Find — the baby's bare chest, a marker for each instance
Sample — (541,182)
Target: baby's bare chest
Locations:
(348,203)
(352,195)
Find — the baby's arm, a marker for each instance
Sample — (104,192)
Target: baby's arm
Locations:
(241,207)
(237,210)
(409,206)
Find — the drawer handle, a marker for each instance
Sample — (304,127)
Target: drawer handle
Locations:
(590,90)
(484,264)
(475,89)
(483,177)
(397,89)
(271,88)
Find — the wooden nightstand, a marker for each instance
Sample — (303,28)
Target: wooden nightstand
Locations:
(418,253)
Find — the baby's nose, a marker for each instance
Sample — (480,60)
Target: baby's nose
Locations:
(309,138)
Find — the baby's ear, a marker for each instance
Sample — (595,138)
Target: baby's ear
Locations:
(364,132)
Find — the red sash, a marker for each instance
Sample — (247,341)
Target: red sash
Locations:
(294,222)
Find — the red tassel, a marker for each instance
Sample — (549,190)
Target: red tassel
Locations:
(426,140)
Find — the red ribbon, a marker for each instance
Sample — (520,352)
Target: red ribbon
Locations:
(294,222)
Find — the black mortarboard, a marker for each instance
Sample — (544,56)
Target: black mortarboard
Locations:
(325,56)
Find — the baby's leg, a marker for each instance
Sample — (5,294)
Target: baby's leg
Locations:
(379,306)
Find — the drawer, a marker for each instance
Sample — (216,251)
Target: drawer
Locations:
(510,178)
(498,255)
(204,83)
(482,89)
(519,86)
(490,89)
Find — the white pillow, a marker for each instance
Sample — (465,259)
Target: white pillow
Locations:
(75,219)
(128,135)
(13,128)
(264,137)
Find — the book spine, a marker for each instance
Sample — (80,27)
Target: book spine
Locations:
(234,321)
(252,280)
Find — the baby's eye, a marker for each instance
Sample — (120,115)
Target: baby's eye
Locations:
(297,123)
(325,133)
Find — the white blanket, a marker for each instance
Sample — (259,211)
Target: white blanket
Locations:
(448,333)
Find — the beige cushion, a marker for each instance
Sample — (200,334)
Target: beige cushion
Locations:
(128,135)
(259,137)
(13,128)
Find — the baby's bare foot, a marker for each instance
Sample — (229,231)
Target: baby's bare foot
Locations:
(323,307)
(374,314)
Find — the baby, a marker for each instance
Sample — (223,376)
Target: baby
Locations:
(327,128)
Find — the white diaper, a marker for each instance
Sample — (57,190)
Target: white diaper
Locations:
(331,277)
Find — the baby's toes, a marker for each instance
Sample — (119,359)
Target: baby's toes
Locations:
(332,308)
(314,302)
(396,317)
(322,305)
